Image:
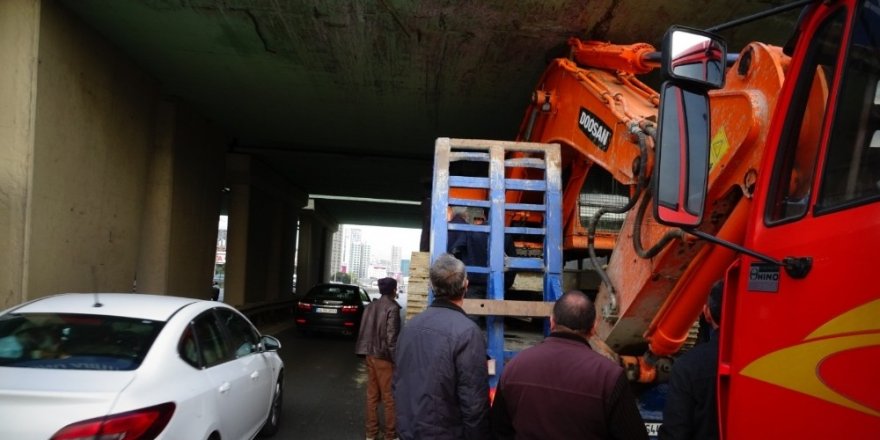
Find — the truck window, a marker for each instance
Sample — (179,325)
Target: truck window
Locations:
(851,175)
(799,145)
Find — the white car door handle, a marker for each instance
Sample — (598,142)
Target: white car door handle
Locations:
(255,375)
(225,388)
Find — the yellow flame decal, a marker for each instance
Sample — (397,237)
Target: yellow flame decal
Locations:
(860,319)
(796,367)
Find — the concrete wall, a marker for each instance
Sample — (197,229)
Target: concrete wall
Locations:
(102,181)
(106,185)
(95,114)
(153,269)
(19,39)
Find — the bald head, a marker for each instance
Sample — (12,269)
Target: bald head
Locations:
(574,312)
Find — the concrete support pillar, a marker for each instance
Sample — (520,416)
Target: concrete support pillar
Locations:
(288,238)
(327,238)
(316,230)
(19,35)
(261,234)
(237,232)
(182,201)
(306,262)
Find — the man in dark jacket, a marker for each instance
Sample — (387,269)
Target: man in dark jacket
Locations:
(472,248)
(691,410)
(377,340)
(440,378)
(562,389)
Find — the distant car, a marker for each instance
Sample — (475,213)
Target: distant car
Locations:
(134,366)
(331,308)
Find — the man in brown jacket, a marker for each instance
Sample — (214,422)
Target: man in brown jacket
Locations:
(377,340)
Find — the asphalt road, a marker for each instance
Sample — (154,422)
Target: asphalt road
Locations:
(323,387)
(324,383)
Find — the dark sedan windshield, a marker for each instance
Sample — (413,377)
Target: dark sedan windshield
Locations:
(77,342)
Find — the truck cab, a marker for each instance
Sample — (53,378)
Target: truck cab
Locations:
(800,328)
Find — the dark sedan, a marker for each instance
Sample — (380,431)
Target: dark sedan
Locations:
(332,308)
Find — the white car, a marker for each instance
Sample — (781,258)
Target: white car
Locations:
(113,366)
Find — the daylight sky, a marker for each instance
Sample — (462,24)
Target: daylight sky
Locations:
(381,239)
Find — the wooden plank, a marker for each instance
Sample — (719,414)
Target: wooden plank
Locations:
(484,307)
(533,281)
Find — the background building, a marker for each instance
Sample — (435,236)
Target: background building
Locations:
(336,253)
(360,260)
(395,260)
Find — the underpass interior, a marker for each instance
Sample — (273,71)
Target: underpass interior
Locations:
(147,120)
(133,125)
(151,119)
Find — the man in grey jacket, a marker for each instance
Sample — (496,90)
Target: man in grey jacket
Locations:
(377,341)
(441,386)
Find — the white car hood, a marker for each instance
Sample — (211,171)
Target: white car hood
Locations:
(35,403)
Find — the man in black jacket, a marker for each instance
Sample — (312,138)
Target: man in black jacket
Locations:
(440,378)
(691,410)
(562,389)
(377,340)
(472,248)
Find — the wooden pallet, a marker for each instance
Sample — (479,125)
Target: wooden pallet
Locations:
(417,287)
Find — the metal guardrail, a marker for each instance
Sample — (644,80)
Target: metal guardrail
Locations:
(269,312)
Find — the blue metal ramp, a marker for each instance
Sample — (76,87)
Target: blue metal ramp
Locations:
(482,172)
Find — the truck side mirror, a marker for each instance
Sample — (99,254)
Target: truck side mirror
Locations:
(694,57)
(682,156)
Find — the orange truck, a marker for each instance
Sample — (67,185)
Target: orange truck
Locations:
(801,313)
(763,172)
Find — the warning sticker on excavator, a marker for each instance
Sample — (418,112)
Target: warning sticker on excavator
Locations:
(720,146)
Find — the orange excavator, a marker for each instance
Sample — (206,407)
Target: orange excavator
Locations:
(656,278)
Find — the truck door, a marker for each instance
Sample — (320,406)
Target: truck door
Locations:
(799,354)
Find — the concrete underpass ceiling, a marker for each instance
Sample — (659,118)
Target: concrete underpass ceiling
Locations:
(346,98)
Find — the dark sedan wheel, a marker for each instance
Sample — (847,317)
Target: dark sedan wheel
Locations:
(273,421)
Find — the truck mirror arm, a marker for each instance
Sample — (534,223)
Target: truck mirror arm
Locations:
(795,267)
